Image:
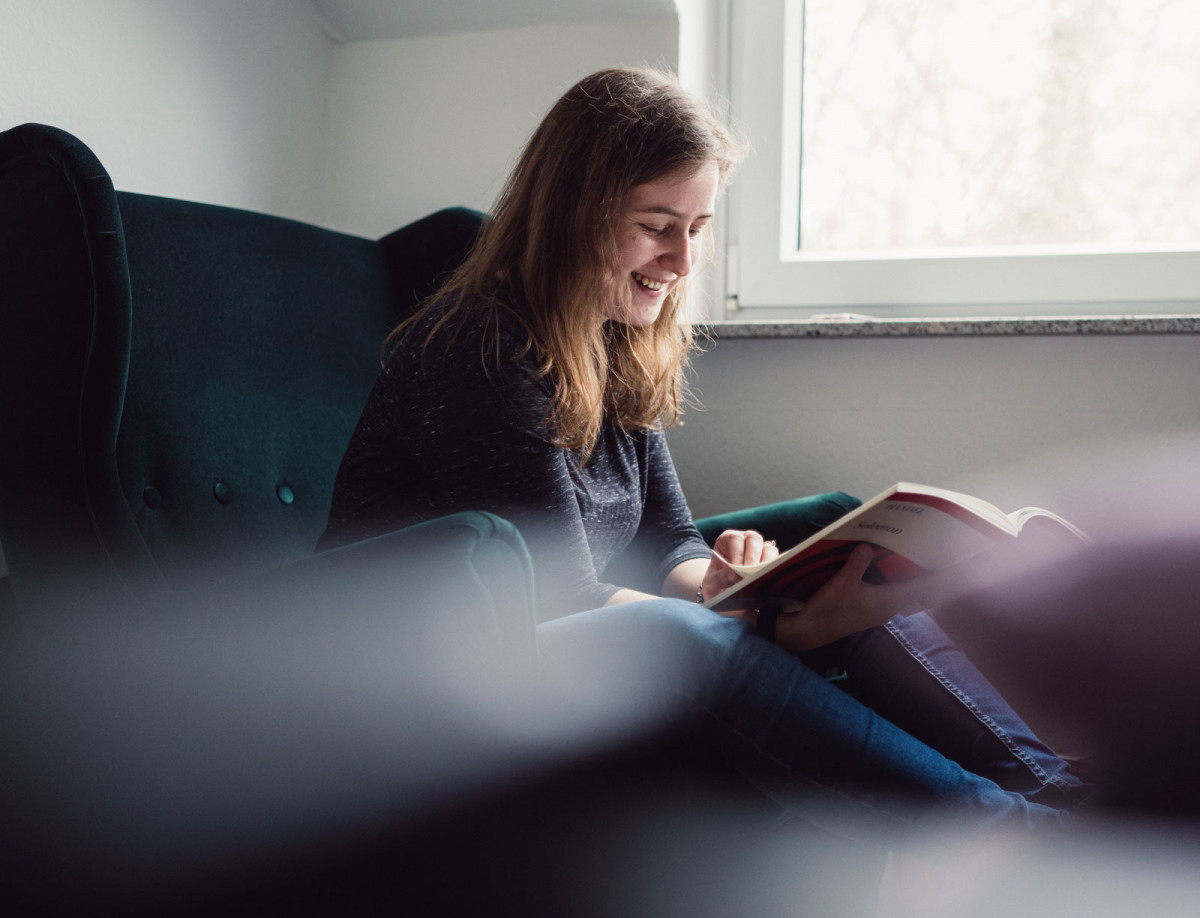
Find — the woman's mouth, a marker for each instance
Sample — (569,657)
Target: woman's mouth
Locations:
(649,283)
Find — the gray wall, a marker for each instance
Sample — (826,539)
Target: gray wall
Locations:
(220,101)
(785,417)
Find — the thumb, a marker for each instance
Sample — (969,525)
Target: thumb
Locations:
(856,565)
(720,562)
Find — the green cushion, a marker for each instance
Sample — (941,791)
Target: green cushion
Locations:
(463,583)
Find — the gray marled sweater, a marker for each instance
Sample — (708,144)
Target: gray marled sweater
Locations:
(442,432)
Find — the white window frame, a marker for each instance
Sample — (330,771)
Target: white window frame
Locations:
(765,274)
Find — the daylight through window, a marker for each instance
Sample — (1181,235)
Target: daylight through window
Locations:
(934,123)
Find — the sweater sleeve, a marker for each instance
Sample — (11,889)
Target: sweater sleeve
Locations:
(667,532)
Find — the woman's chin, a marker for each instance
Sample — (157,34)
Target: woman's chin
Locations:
(642,316)
(645,307)
(639,308)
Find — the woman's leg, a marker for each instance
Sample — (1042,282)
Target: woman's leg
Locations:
(799,739)
(912,674)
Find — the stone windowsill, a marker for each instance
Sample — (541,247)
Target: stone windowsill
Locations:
(845,327)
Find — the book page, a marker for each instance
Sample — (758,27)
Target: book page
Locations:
(1026,514)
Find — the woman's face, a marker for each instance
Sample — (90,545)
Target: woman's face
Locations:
(659,240)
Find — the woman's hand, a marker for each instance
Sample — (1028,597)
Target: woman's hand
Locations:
(737,547)
(846,604)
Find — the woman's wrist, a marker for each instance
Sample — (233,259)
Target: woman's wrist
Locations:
(686,580)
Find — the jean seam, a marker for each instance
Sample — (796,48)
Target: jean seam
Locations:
(994,728)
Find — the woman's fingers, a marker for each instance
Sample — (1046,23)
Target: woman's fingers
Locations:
(843,605)
(745,546)
(752,545)
(735,546)
(731,545)
(770,551)
(856,565)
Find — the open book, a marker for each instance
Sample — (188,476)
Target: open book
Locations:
(914,529)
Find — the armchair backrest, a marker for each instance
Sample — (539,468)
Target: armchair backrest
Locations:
(178,381)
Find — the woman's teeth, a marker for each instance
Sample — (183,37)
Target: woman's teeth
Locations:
(647,282)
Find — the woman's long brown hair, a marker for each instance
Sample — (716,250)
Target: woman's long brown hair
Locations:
(548,253)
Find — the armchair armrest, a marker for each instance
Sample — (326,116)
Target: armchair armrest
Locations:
(462,582)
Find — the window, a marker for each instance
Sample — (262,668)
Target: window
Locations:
(935,157)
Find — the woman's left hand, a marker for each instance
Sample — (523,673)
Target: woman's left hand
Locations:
(737,547)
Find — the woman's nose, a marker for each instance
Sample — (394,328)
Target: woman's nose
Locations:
(678,256)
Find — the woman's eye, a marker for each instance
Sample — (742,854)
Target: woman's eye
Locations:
(654,230)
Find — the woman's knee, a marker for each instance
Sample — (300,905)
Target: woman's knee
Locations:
(690,633)
(659,641)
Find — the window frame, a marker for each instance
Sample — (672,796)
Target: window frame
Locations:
(764,272)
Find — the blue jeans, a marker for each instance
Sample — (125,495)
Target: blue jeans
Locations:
(927,740)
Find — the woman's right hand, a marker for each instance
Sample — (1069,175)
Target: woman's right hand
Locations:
(846,604)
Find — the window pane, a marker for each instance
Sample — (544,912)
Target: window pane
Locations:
(936,123)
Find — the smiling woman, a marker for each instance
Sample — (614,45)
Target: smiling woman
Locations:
(536,385)
(573,292)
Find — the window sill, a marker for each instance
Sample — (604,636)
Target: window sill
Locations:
(840,327)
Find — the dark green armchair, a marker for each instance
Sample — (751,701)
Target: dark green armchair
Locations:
(179,381)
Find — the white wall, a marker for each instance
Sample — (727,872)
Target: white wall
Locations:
(426,123)
(253,105)
(219,100)
(704,70)
(786,417)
